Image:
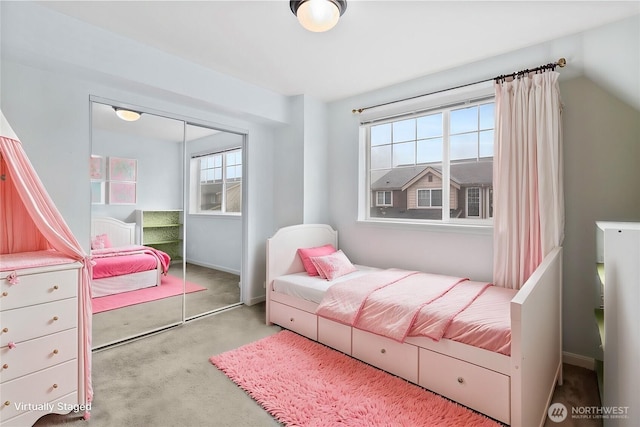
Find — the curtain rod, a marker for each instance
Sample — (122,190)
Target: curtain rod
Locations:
(551,66)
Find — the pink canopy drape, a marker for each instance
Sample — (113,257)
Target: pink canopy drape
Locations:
(527,176)
(30,221)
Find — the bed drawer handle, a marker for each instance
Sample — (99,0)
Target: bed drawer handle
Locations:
(55,385)
(55,351)
(291,320)
(55,287)
(460,380)
(55,318)
(383,351)
(5,330)
(5,294)
(5,366)
(7,403)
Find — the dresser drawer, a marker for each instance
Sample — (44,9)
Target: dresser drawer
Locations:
(38,288)
(389,355)
(296,320)
(471,385)
(35,390)
(37,354)
(22,324)
(335,335)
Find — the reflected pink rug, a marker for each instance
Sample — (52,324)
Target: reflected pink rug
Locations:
(303,383)
(170,286)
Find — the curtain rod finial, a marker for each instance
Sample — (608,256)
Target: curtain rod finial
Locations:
(562,62)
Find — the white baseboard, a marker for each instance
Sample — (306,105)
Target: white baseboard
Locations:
(578,360)
(214,267)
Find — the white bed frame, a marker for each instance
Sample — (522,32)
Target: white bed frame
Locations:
(121,234)
(515,390)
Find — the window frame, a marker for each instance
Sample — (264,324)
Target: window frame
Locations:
(384,205)
(195,206)
(416,107)
(430,190)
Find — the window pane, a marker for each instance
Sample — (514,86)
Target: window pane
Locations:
(217,174)
(211,197)
(404,130)
(424,198)
(381,134)
(486,143)
(404,154)
(429,150)
(234,197)
(217,161)
(436,197)
(487,116)
(464,146)
(381,157)
(464,120)
(429,126)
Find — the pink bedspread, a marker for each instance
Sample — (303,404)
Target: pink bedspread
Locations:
(126,260)
(398,303)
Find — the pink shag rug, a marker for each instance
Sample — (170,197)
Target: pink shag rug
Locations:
(170,286)
(303,383)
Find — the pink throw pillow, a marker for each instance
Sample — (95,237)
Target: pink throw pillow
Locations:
(101,241)
(335,265)
(306,253)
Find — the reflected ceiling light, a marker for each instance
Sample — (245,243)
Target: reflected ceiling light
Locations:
(318,15)
(128,115)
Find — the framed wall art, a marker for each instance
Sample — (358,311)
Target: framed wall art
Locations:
(123,169)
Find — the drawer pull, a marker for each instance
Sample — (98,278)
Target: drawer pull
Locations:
(383,351)
(5,366)
(55,318)
(5,330)
(7,403)
(460,380)
(4,294)
(55,287)
(291,320)
(55,386)
(55,351)
(11,345)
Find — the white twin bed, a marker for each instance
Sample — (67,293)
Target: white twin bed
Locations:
(116,280)
(511,381)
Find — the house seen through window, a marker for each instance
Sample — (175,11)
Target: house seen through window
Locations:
(435,165)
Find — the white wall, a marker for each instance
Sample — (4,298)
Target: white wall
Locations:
(159,177)
(601,174)
(52,65)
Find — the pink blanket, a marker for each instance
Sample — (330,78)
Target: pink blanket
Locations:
(398,303)
(127,259)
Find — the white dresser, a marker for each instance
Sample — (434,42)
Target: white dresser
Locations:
(39,338)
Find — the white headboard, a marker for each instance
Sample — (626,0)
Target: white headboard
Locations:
(120,233)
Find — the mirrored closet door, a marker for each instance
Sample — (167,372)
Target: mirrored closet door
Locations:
(157,184)
(137,199)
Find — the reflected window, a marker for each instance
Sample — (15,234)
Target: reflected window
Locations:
(219,189)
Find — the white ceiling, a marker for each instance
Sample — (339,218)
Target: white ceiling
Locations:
(375,44)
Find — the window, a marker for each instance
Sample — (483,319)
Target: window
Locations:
(384,198)
(437,163)
(428,198)
(218,182)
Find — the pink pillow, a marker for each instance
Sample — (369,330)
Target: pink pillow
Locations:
(333,266)
(306,253)
(101,241)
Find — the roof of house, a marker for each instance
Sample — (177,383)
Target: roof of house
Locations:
(462,174)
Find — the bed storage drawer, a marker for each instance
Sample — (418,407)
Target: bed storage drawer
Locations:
(296,320)
(389,355)
(335,335)
(473,386)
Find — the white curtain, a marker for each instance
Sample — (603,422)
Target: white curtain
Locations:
(527,176)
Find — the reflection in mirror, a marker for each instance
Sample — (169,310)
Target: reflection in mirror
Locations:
(137,182)
(214,164)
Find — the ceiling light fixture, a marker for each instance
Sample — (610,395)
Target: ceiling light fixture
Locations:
(128,115)
(318,15)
